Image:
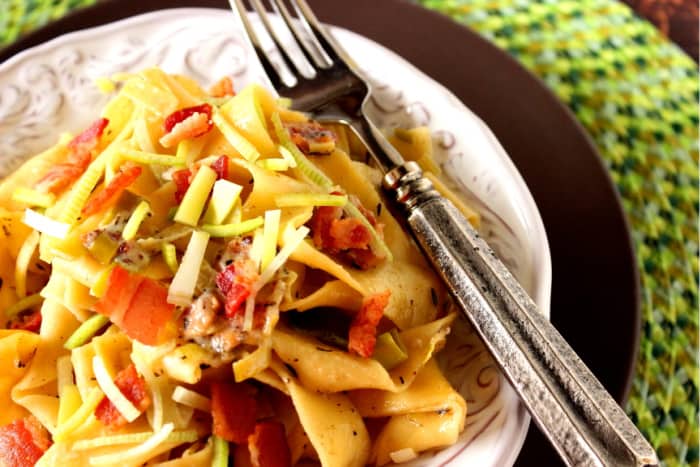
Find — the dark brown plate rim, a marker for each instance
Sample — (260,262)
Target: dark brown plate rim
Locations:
(595,289)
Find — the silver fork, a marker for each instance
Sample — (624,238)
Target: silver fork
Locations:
(571,407)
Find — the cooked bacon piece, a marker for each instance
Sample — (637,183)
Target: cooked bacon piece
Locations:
(349,233)
(222,88)
(363,330)
(321,223)
(110,194)
(186,123)
(58,178)
(234,409)
(87,140)
(182,179)
(311,138)
(138,305)
(27,321)
(235,283)
(345,237)
(23,442)
(220,166)
(61,176)
(268,446)
(133,386)
(146,320)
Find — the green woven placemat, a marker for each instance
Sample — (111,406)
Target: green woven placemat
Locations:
(637,95)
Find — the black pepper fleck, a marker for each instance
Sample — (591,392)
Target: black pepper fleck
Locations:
(433,296)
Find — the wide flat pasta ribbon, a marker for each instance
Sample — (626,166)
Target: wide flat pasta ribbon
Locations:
(326,369)
(427,415)
(332,423)
(37,391)
(335,293)
(267,185)
(17,348)
(306,254)
(415,292)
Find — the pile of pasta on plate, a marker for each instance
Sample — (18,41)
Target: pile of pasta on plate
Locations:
(204,277)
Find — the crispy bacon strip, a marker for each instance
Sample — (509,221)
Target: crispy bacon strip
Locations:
(133,386)
(222,88)
(182,179)
(61,176)
(186,123)
(235,283)
(220,166)
(138,305)
(23,442)
(268,445)
(320,224)
(28,321)
(110,194)
(85,142)
(234,410)
(58,178)
(349,233)
(363,330)
(345,237)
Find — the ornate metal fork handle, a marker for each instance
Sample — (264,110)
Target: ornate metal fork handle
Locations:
(567,402)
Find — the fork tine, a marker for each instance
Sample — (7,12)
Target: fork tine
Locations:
(291,65)
(328,44)
(270,70)
(313,55)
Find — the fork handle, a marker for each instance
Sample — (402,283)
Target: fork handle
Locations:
(582,421)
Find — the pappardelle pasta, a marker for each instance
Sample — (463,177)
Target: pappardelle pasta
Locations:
(206,277)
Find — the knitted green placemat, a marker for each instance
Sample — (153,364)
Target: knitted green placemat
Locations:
(20,16)
(637,95)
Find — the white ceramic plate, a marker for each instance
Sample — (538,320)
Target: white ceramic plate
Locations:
(49,89)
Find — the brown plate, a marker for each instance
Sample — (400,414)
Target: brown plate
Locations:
(595,295)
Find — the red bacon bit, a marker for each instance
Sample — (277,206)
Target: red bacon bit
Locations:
(363,330)
(61,176)
(23,442)
(349,233)
(186,123)
(220,166)
(268,446)
(181,178)
(133,387)
(346,237)
(236,282)
(58,178)
(111,193)
(181,115)
(308,135)
(222,88)
(138,305)
(234,410)
(28,321)
(321,223)
(85,142)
